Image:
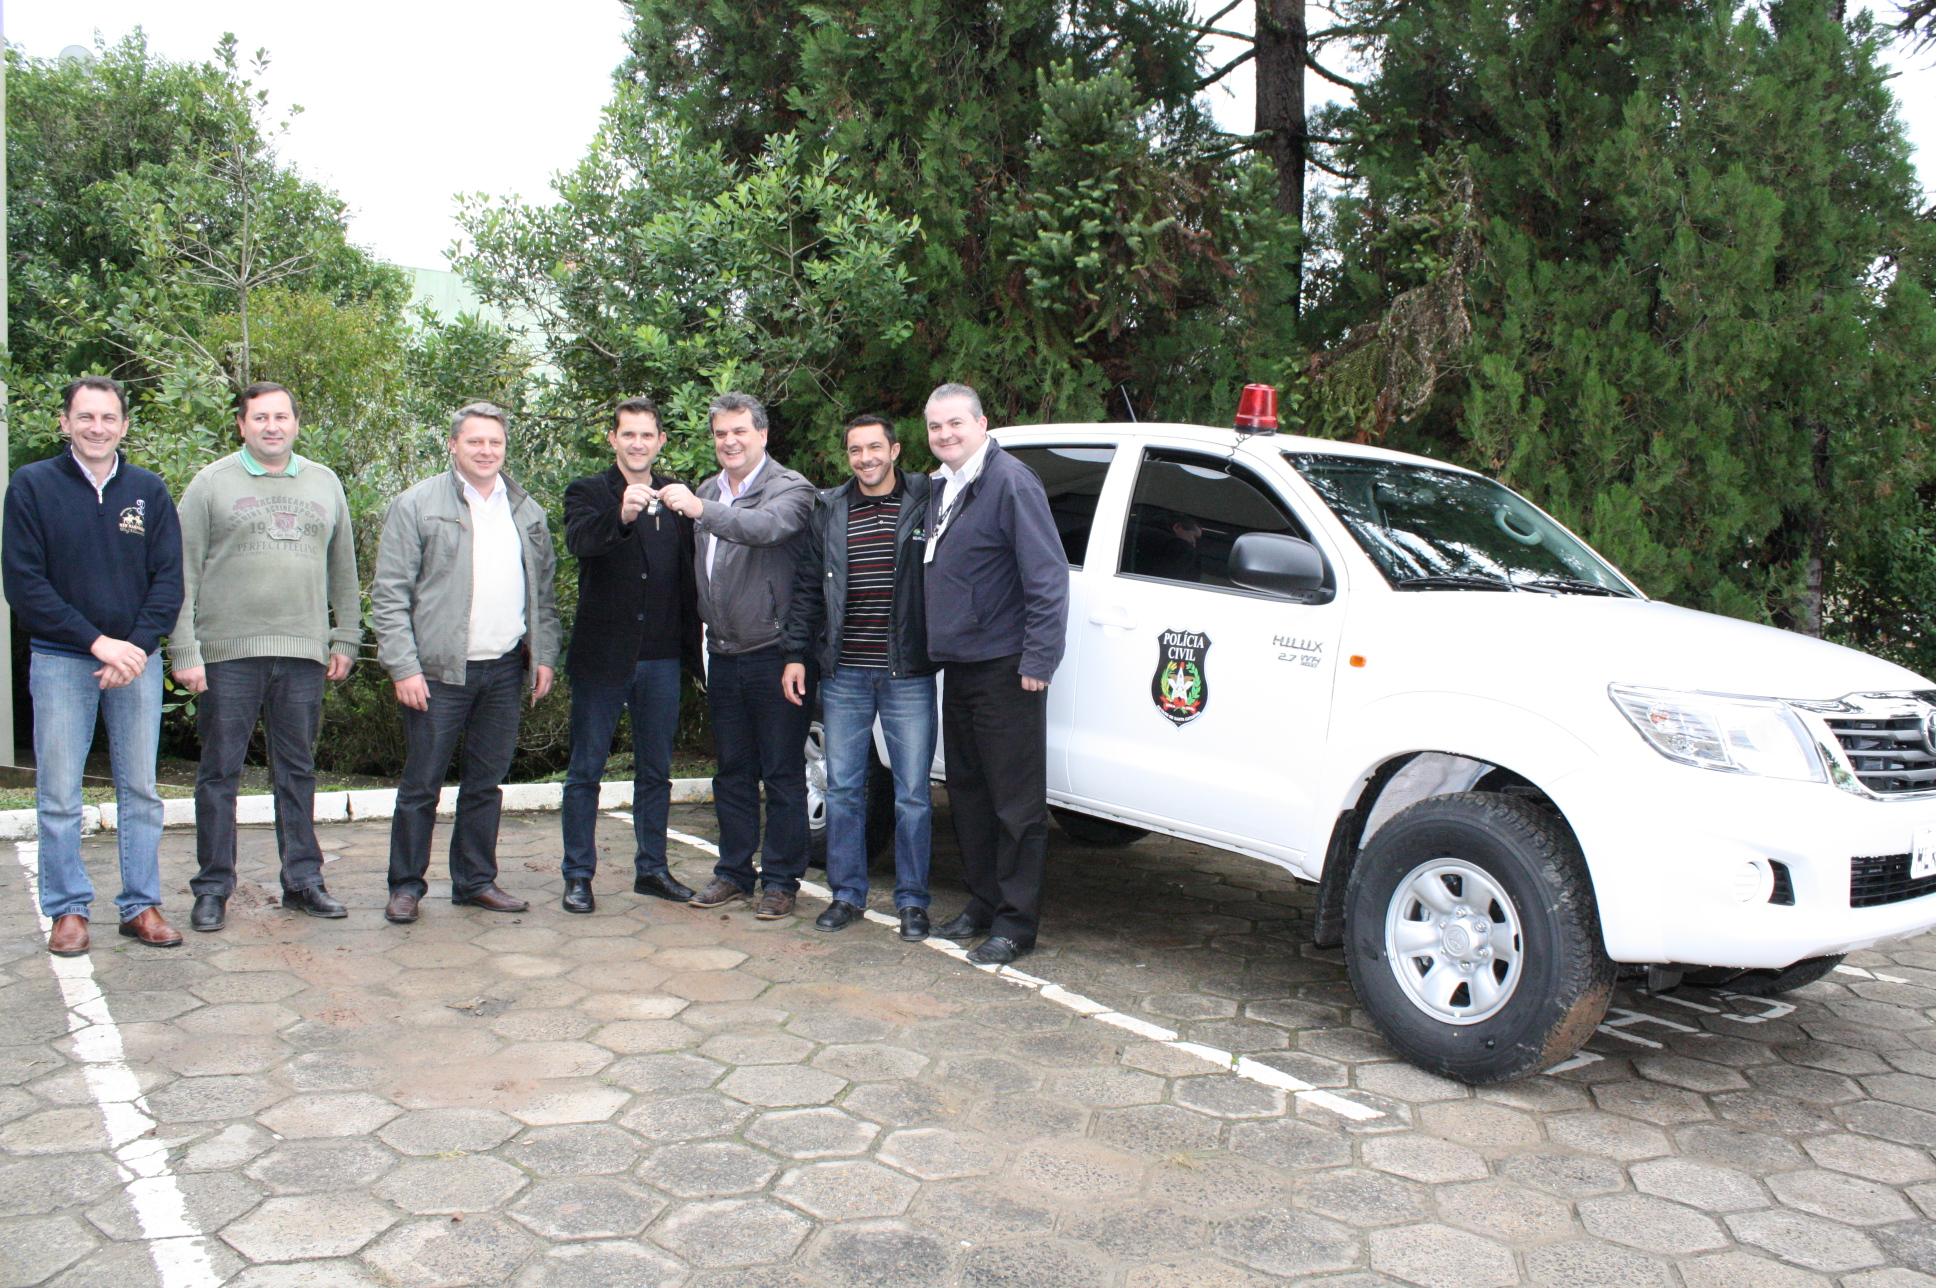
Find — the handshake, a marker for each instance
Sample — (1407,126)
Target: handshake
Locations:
(641,498)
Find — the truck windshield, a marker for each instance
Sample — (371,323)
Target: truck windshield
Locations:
(1429,529)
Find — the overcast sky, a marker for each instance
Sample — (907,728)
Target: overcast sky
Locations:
(410,102)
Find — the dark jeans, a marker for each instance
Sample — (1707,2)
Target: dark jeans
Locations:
(286,694)
(850,698)
(761,739)
(484,711)
(653,697)
(995,735)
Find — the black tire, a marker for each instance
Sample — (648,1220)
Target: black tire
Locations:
(1531,1011)
(1091,830)
(1765,983)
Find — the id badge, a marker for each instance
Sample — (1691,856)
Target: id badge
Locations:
(1922,857)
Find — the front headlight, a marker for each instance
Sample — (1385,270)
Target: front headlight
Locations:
(1738,735)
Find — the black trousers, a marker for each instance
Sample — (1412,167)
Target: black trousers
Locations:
(995,736)
(286,694)
(484,711)
(762,741)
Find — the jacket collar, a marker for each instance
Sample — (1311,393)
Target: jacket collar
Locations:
(770,469)
(516,495)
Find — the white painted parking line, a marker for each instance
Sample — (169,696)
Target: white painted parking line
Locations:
(1860,973)
(179,1249)
(1242,1066)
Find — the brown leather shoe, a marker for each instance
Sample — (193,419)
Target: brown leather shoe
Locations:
(150,929)
(773,904)
(493,899)
(68,938)
(718,892)
(402,907)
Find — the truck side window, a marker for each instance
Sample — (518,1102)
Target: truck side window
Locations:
(1189,509)
(1073,477)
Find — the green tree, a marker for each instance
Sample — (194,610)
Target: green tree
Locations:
(1699,287)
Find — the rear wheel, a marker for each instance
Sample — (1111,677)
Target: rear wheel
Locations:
(1091,830)
(1473,938)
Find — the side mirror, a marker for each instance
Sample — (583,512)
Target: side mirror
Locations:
(1270,562)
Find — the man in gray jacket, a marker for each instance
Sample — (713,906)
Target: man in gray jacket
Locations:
(465,619)
(749,519)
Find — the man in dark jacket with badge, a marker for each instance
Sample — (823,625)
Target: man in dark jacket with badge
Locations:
(637,625)
(859,607)
(998,611)
(94,576)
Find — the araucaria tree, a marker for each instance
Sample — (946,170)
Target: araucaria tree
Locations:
(1692,254)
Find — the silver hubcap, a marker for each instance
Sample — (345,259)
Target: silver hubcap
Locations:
(816,777)
(1452,936)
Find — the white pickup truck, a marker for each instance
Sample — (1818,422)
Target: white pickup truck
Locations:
(1511,774)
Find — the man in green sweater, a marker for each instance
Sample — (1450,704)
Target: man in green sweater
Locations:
(267,559)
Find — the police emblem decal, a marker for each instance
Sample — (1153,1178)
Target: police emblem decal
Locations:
(1181,685)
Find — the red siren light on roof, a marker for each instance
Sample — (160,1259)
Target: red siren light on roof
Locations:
(1257,410)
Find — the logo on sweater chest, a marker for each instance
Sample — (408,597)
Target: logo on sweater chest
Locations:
(277,519)
(134,519)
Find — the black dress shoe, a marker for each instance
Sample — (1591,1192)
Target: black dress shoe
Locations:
(839,915)
(578,895)
(664,887)
(315,901)
(962,927)
(914,924)
(995,951)
(209,913)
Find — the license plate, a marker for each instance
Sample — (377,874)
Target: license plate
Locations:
(1922,858)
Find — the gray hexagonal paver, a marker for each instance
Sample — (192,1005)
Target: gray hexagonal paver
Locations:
(870,1062)
(939,1154)
(574,1149)
(708,1169)
(1745,1270)
(731,1232)
(812,1133)
(755,1048)
(1077,1169)
(1651,1224)
(776,1085)
(664,1075)
(450,1254)
(1228,1097)
(1502,1210)
(328,1113)
(580,1101)
(1290,1145)
(1437,1256)
(846,1190)
(688,1117)
(587,1207)
(313,1166)
(1289,1243)
(210,1200)
(451,1185)
(1875,1160)
(1585,1263)
(308,1228)
(1698,1185)
(1360,1197)
(1806,1240)
(882,1254)
(1840,1198)
(1423,1158)
(38,1248)
(603,1265)
(446,1131)
(1032,1262)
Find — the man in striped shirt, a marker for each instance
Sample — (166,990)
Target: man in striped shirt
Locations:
(860,606)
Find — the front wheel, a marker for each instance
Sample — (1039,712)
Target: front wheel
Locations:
(1473,938)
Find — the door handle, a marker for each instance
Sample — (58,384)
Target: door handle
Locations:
(1117,618)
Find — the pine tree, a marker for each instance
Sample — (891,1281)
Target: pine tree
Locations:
(1701,300)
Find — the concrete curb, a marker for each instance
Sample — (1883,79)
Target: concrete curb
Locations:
(342,807)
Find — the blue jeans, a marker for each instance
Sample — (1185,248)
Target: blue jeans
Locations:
(850,698)
(66,696)
(653,697)
(762,741)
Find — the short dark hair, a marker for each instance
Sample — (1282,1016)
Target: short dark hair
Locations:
(639,406)
(869,418)
(737,402)
(262,388)
(105,384)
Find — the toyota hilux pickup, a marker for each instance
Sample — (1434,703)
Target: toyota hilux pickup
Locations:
(1512,775)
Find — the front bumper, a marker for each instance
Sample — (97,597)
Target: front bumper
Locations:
(1667,845)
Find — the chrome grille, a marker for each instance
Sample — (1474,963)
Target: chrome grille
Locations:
(1883,736)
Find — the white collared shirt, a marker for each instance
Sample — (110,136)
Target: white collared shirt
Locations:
(497,573)
(100,485)
(729,494)
(954,483)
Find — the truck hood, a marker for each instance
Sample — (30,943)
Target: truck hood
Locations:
(1518,640)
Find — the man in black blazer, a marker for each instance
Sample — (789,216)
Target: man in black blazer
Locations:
(638,622)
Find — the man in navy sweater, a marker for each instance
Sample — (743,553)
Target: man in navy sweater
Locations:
(93,570)
(998,609)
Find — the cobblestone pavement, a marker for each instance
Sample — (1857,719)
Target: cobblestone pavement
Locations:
(656,1095)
